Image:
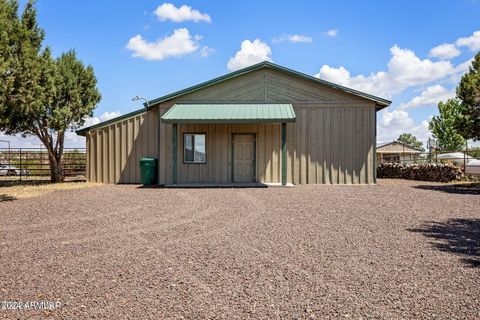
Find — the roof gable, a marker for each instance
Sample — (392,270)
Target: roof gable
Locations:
(280,89)
(255,89)
(394,143)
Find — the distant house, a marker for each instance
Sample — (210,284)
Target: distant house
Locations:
(264,123)
(396,152)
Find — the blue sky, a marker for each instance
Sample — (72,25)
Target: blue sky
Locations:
(151,48)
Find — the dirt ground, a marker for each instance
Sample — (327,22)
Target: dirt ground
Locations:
(399,249)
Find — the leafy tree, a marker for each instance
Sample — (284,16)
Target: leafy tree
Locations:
(41,96)
(474,152)
(410,140)
(443,126)
(468,92)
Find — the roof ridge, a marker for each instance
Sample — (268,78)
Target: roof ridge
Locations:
(267,64)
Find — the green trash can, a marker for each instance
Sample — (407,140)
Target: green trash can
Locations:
(148,171)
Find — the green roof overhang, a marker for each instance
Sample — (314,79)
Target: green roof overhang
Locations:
(230,113)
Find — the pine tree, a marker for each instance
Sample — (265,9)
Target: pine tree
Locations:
(40,95)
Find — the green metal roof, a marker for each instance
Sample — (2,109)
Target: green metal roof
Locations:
(230,113)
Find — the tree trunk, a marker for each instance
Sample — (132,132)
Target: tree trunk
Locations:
(54,156)
(56,170)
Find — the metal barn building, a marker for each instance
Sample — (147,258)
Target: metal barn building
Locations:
(261,124)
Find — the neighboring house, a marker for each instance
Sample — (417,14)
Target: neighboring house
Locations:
(396,152)
(264,123)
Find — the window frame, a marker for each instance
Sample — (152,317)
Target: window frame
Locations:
(185,134)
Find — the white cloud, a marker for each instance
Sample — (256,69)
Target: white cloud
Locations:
(445,51)
(473,42)
(17,141)
(72,140)
(396,118)
(338,75)
(430,96)
(405,70)
(250,53)
(463,67)
(393,124)
(331,33)
(168,11)
(176,45)
(206,51)
(90,121)
(295,38)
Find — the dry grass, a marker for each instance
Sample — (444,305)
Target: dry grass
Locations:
(17,190)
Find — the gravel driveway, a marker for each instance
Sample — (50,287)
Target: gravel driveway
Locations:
(396,250)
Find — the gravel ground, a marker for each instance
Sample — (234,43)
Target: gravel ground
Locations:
(400,249)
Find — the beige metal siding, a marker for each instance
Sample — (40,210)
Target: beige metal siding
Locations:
(331,145)
(327,144)
(331,142)
(113,151)
(267,86)
(218,167)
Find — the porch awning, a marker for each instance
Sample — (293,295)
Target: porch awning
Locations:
(230,113)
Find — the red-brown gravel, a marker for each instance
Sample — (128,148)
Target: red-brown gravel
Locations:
(400,249)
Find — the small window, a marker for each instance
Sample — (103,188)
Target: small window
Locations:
(194,148)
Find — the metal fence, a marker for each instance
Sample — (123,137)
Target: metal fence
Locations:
(32,164)
(458,157)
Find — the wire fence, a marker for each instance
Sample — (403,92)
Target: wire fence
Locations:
(32,164)
(458,158)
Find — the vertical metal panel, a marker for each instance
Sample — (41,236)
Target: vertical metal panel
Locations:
(114,150)
(129,143)
(313,147)
(163,149)
(104,157)
(371,146)
(334,143)
(87,158)
(118,152)
(174,153)
(91,154)
(327,138)
(290,151)
(138,147)
(98,156)
(348,146)
(111,154)
(304,146)
(342,156)
(320,168)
